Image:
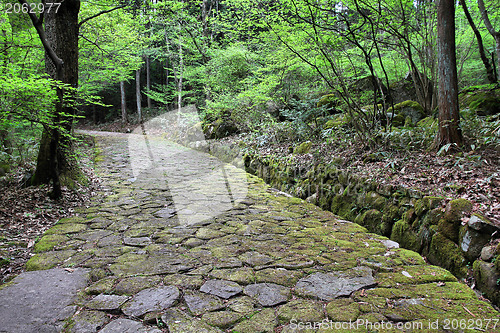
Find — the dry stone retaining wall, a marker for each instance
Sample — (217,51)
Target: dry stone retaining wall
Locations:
(443,231)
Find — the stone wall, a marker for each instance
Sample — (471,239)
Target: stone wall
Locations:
(444,231)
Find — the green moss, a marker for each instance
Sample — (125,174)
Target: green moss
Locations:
(343,310)
(456,209)
(371,219)
(448,230)
(330,100)
(49,242)
(303,148)
(429,123)
(446,253)
(66,228)
(402,233)
(342,206)
(47,260)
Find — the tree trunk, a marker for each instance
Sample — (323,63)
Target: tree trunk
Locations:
(179,88)
(449,120)
(138,93)
(148,81)
(489,70)
(123,102)
(491,30)
(60,41)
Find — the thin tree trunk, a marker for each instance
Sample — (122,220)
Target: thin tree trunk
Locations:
(181,64)
(148,81)
(123,102)
(138,93)
(491,30)
(489,70)
(449,120)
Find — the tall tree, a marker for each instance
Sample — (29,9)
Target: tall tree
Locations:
(491,30)
(60,41)
(449,118)
(489,70)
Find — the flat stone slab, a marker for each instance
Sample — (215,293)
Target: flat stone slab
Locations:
(123,325)
(153,299)
(106,302)
(268,294)
(221,288)
(200,303)
(327,286)
(179,322)
(39,301)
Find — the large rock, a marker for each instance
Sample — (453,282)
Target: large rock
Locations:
(328,286)
(152,299)
(409,109)
(484,101)
(40,301)
(221,288)
(268,294)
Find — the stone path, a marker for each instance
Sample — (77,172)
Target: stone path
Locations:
(186,244)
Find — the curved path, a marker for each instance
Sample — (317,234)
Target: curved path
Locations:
(183,243)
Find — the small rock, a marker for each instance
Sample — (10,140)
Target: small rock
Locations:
(128,326)
(488,252)
(330,286)
(106,302)
(482,225)
(221,288)
(200,303)
(268,294)
(137,241)
(390,244)
(153,299)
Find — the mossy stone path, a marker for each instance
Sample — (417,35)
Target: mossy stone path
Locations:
(269,261)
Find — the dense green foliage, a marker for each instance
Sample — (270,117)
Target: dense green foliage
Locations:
(264,64)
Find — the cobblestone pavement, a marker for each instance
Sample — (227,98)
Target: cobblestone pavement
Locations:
(162,257)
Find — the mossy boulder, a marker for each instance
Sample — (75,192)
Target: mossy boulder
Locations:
(457,209)
(371,219)
(303,148)
(220,128)
(483,100)
(430,123)
(402,233)
(487,278)
(410,109)
(445,253)
(49,242)
(330,102)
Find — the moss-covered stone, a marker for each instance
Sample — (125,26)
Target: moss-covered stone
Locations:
(402,233)
(66,228)
(487,278)
(371,219)
(410,109)
(49,242)
(48,260)
(303,148)
(456,209)
(445,253)
(428,123)
(302,311)
(103,286)
(343,310)
(222,319)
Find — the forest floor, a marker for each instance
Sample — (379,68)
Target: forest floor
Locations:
(27,212)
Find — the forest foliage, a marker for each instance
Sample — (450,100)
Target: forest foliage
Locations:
(262,65)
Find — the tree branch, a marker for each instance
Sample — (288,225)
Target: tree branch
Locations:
(38,24)
(99,14)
